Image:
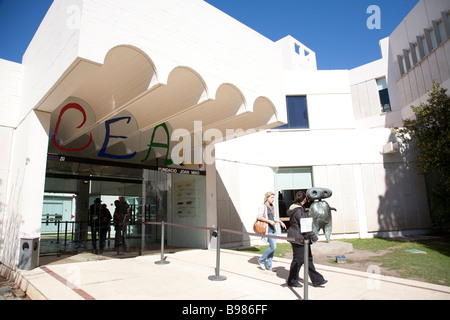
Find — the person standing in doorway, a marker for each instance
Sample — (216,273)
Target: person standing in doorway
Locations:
(105,225)
(266,213)
(94,221)
(118,222)
(121,222)
(296,212)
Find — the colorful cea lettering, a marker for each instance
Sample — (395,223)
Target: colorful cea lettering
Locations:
(102,153)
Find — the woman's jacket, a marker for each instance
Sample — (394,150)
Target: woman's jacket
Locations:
(296,212)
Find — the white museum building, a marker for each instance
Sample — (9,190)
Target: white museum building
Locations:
(192,117)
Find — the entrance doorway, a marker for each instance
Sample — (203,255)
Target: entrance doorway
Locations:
(152,195)
(288,181)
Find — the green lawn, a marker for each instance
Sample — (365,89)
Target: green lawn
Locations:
(432,266)
(282,249)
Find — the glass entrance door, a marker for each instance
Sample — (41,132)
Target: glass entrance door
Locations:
(152,196)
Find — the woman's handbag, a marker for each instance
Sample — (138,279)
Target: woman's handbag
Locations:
(260,226)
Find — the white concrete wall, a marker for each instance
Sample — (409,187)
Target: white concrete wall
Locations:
(365,96)
(25,188)
(328,93)
(297,56)
(412,88)
(372,192)
(240,191)
(344,146)
(11,77)
(52,50)
(172,33)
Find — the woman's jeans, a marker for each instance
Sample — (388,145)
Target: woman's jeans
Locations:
(268,254)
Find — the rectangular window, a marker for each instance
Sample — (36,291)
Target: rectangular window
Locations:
(446,24)
(433,39)
(384,95)
(297,113)
(425,46)
(442,32)
(400,65)
(428,40)
(413,49)
(406,55)
(421,50)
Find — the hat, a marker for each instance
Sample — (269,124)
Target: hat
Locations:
(98,200)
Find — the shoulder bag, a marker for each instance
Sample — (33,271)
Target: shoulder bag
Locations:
(260,226)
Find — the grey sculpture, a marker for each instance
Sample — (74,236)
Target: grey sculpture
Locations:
(320,211)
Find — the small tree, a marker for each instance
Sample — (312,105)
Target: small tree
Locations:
(429,135)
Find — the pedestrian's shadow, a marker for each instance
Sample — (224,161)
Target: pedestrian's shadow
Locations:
(281,272)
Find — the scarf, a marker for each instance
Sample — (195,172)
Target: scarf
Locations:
(270,208)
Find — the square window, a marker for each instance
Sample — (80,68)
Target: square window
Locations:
(297,113)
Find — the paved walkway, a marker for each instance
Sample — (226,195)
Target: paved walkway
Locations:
(89,276)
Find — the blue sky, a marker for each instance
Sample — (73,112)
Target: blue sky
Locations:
(335,29)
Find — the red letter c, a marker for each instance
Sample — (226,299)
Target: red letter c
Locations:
(67,107)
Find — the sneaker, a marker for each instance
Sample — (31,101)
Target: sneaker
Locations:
(261,266)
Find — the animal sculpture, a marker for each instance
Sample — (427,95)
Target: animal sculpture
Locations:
(320,211)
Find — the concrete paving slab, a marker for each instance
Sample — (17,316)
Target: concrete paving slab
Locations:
(186,278)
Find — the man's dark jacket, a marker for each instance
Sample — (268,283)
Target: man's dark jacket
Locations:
(295,213)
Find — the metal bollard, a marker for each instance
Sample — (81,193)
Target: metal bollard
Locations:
(217,276)
(162,261)
(306,267)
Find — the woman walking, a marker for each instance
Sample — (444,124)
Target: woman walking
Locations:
(296,212)
(266,213)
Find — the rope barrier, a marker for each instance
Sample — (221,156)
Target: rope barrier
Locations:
(227,231)
(217,232)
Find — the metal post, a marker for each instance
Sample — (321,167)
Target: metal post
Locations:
(57,232)
(306,267)
(143,219)
(65,234)
(217,276)
(72,230)
(162,261)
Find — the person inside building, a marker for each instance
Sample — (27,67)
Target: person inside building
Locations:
(105,224)
(121,221)
(94,215)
